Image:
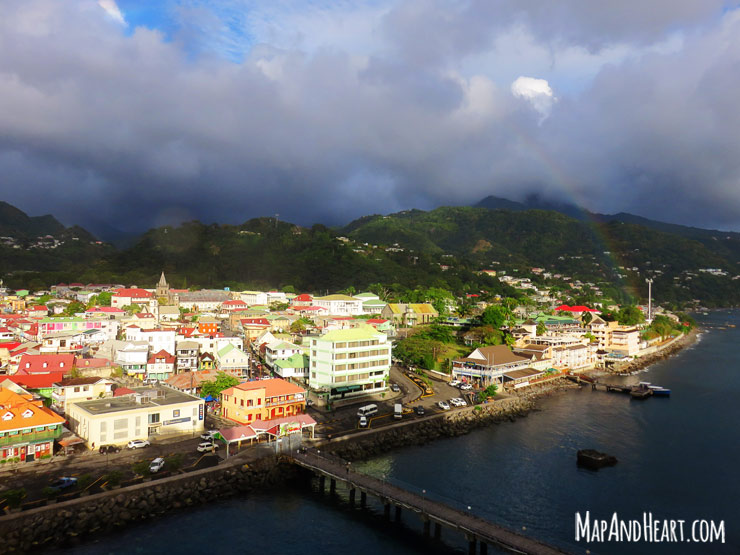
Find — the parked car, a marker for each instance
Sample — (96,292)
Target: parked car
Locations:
(156,465)
(455,383)
(107,449)
(443,405)
(138,444)
(207,446)
(458,402)
(209,435)
(418,409)
(63,483)
(466,387)
(363,422)
(394,387)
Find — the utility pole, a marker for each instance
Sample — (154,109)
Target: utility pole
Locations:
(277,217)
(650,298)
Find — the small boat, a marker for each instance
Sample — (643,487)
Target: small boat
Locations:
(660,391)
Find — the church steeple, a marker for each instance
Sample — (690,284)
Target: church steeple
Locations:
(163,288)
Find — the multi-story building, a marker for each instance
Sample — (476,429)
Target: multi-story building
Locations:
(262,400)
(487,365)
(132,357)
(233,361)
(187,356)
(340,305)
(279,350)
(27,428)
(350,362)
(144,414)
(157,340)
(160,366)
(625,340)
(58,324)
(126,297)
(72,390)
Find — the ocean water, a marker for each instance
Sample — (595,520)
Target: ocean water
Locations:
(679,458)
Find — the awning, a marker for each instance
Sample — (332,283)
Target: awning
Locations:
(69,441)
(346,388)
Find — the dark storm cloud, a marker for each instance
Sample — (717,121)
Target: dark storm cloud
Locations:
(134,131)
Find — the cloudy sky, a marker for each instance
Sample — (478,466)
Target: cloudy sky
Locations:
(139,113)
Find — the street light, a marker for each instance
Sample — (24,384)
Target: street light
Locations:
(650,297)
(423,495)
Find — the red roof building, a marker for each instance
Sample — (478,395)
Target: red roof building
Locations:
(46,364)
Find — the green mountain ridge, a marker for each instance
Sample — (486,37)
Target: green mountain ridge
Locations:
(442,248)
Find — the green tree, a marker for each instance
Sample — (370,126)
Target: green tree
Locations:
(630,315)
(541,328)
(289,289)
(297,327)
(215,387)
(73,308)
(494,316)
(586,318)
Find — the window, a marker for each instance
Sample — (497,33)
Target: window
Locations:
(77,389)
(154,418)
(313,375)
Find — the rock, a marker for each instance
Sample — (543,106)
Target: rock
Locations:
(590,458)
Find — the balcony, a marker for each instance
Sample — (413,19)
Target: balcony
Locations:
(32,436)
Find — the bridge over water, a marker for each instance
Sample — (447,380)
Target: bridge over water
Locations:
(477,532)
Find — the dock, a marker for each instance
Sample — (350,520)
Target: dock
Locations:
(640,391)
(478,532)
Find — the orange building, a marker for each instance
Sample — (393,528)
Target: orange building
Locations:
(262,400)
(27,428)
(208,325)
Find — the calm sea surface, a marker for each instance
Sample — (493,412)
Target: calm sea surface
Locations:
(679,458)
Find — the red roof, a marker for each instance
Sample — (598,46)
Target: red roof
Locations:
(92,362)
(133,293)
(10,345)
(303,297)
(161,356)
(106,309)
(255,321)
(578,308)
(44,364)
(376,321)
(119,391)
(37,308)
(36,381)
(234,303)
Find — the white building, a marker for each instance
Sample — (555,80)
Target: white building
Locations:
(145,414)
(280,350)
(254,298)
(350,362)
(157,340)
(340,305)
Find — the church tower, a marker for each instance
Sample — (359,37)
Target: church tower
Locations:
(163,289)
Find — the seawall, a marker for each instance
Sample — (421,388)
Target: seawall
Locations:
(418,432)
(68,522)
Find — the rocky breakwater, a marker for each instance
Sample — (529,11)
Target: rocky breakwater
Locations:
(644,361)
(68,522)
(419,432)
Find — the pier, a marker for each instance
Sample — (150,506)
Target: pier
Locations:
(479,533)
(636,391)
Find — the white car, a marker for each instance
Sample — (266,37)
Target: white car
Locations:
(209,435)
(156,465)
(138,444)
(466,387)
(363,422)
(458,402)
(443,405)
(455,383)
(206,446)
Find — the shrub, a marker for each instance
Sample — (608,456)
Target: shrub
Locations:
(478,408)
(45,456)
(49,492)
(141,468)
(114,478)
(13,497)
(84,481)
(174,462)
